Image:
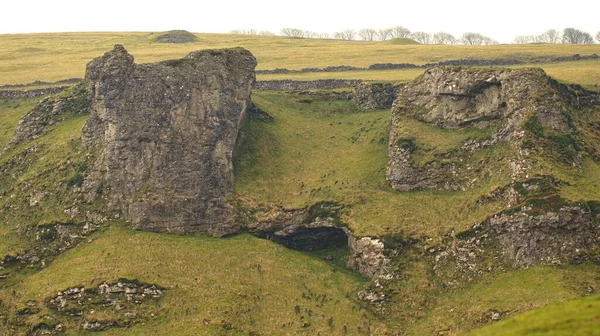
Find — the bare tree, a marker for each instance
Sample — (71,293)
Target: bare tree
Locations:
(384,34)
(476,39)
(292,32)
(348,34)
(576,36)
(367,34)
(598,37)
(324,35)
(523,39)
(489,41)
(311,34)
(249,31)
(421,37)
(550,36)
(399,32)
(443,38)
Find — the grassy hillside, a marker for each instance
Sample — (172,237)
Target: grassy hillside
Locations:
(579,317)
(319,150)
(50,57)
(315,149)
(237,286)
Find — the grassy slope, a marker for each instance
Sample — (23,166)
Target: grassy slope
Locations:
(507,293)
(50,57)
(579,317)
(252,284)
(329,151)
(11,112)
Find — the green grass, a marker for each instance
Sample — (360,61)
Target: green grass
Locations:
(48,169)
(508,293)
(25,58)
(327,150)
(579,72)
(250,283)
(432,141)
(11,112)
(315,150)
(578,317)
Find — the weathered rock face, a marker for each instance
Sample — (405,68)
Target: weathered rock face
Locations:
(455,98)
(374,96)
(165,134)
(549,238)
(525,238)
(368,258)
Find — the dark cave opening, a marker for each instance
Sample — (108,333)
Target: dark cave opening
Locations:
(314,239)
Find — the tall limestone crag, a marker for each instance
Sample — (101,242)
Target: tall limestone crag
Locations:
(165,134)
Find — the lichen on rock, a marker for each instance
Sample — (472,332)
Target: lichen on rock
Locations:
(165,134)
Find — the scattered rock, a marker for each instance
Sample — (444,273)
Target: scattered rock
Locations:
(368,258)
(125,301)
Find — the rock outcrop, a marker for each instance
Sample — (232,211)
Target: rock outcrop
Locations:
(164,135)
(525,238)
(176,36)
(459,98)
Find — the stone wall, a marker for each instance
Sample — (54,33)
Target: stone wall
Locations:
(285,85)
(17,94)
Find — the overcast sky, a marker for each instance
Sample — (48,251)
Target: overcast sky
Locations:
(501,20)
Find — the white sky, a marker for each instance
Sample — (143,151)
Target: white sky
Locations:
(501,20)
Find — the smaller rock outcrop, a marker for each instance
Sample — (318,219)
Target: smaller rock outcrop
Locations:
(176,36)
(165,135)
(501,101)
(568,234)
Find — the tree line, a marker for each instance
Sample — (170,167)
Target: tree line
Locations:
(568,35)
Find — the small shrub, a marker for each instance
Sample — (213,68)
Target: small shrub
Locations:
(75,181)
(407,143)
(567,145)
